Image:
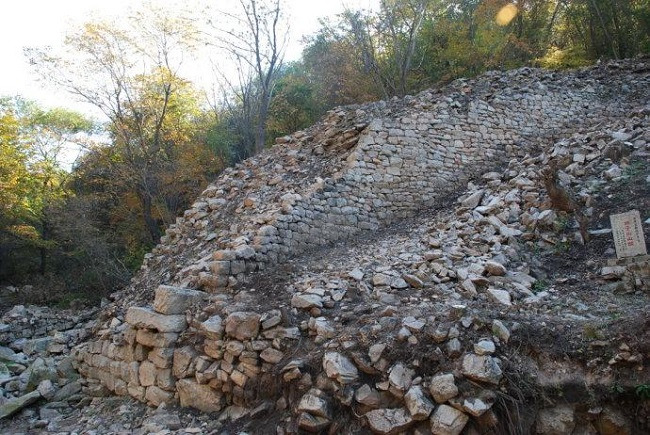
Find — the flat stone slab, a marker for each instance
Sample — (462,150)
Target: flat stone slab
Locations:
(141,317)
(12,406)
(175,300)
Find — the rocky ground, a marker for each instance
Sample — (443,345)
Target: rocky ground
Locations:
(501,310)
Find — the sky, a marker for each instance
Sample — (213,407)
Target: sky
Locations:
(45,22)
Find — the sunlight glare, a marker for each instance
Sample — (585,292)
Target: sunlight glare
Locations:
(506,14)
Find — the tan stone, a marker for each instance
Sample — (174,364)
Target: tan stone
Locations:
(155,396)
(201,397)
(141,317)
(147,373)
(243,325)
(156,339)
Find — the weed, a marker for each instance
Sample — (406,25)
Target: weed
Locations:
(617,388)
(633,169)
(643,391)
(562,246)
(562,223)
(539,286)
(615,315)
(589,332)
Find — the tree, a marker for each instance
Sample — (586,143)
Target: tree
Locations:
(130,71)
(256,43)
(31,179)
(294,105)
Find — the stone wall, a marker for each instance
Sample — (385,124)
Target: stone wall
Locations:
(359,170)
(398,163)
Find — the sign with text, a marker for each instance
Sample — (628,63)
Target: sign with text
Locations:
(628,234)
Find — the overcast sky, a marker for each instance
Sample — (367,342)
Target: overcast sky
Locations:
(45,22)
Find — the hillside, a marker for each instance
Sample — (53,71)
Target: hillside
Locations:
(436,264)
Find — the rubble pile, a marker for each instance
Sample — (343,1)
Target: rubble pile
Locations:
(35,356)
(439,264)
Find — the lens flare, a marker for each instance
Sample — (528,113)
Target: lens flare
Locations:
(506,14)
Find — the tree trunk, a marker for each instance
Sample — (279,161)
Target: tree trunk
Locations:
(260,137)
(149,221)
(45,234)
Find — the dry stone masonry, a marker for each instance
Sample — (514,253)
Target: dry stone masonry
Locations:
(408,331)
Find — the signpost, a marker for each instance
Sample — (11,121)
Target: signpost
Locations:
(628,234)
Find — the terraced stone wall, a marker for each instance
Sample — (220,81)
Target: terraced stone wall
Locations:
(395,164)
(405,163)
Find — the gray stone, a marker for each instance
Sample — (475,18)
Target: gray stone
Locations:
(389,421)
(418,404)
(484,347)
(448,421)
(375,352)
(500,331)
(175,300)
(306,301)
(356,274)
(482,368)
(475,406)
(141,317)
(500,296)
(46,389)
(161,421)
(473,200)
(12,406)
(37,345)
(400,377)
(67,391)
(368,396)
(339,367)
(443,388)
(315,404)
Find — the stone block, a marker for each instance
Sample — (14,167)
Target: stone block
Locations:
(243,325)
(213,327)
(183,364)
(156,395)
(147,374)
(161,357)
(141,317)
(156,339)
(198,396)
(175,300)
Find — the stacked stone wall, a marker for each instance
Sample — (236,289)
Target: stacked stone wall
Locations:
(403,164)
(387,168)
